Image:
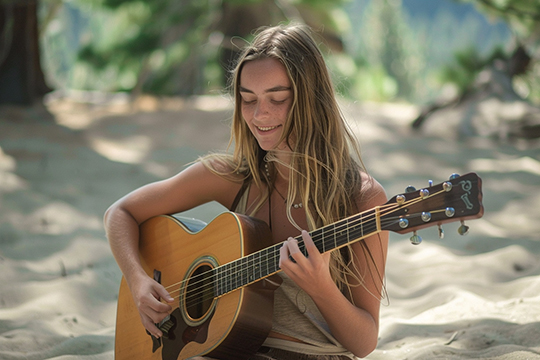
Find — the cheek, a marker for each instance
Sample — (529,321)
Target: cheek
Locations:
(247,112)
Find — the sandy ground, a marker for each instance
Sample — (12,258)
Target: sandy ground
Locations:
(476,296)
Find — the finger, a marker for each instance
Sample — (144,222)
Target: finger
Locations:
(296,254)
(156,316)
(290,252)
(292,244)
(150,326)
(284,254)
(157,295)
(310,245)
(164,294)
(152,308)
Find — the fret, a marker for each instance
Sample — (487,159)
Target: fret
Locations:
(344,234)
(215,281)
(319,239)
(230,285)
(302,246)
(264,262)
(230,279)
(323,250)
(335,238)
(245,271)
(348,230)
(236,275)
(221,280)
(258,271)
(274,259)
(239,276)
(361,225)
(254,265)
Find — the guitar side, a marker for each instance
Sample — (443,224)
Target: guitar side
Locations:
(233,326)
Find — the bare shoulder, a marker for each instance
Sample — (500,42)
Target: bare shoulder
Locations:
(198,184)
(372,193)
(210,180)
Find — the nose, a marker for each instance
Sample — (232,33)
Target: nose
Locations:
(261,110)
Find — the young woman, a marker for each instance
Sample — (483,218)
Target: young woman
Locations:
(297,167)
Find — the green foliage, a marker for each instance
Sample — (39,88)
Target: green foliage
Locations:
(466,66)
(523,16)
(173,47)
(528,84)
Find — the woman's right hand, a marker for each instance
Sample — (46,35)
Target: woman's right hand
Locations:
(147,294)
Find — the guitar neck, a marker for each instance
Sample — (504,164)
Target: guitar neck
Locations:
(263,263)
(456,199)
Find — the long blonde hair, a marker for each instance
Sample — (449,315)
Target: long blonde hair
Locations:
(325,168)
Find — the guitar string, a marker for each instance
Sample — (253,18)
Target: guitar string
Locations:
(346,225)
(265,262)
(315,239)
(208,290)
(272,260)
(358,219)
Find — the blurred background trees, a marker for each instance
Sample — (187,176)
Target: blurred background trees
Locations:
(166,47)
(21,76)
(384,50)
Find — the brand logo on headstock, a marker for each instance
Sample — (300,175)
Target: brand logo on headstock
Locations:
(466,186)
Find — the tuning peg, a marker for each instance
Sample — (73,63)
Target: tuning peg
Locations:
(454,176)
(463,229)
(410,188)
(441,232)
(447,186)
(415,239)
(430,182)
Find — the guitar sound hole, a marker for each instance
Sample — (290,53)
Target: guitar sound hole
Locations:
(200,293)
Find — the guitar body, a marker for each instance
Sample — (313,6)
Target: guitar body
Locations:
(231,326)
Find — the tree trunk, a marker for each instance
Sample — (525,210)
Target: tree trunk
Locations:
(21,78)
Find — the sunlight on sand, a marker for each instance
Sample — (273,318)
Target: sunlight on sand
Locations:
(131,150)
(55,218)
(8,180)
(525,164)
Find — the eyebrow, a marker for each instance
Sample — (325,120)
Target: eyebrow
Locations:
(274,89)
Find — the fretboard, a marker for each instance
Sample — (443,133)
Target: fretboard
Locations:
(263,263)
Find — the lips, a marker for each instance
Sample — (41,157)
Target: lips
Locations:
(267,128)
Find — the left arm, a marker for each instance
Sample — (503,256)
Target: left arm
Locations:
(353,322)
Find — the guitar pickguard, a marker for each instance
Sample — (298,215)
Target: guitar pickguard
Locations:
(171,346)
(174,325)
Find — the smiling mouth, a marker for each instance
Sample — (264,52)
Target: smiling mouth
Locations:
(267,128)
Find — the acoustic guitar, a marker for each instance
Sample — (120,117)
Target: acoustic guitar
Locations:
(223,275)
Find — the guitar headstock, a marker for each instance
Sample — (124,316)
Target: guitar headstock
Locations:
(457,199)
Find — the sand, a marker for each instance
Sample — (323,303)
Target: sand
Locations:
(63,164)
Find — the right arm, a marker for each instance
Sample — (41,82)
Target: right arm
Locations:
(193,186)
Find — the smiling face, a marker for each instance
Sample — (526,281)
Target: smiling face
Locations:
(267,97)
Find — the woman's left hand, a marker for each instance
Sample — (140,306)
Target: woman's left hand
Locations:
(311,273)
